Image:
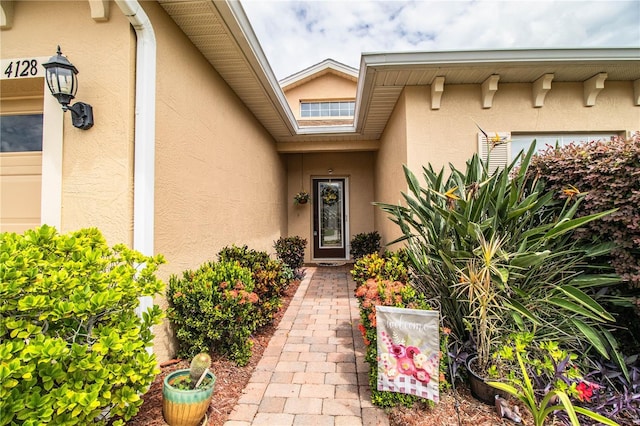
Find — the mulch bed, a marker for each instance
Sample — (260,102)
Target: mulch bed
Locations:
(230,378)
(231,381)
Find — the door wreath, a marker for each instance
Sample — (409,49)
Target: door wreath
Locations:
(330,195)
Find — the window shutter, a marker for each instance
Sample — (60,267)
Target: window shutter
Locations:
(501,152)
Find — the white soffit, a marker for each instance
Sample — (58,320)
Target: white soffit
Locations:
(221,31)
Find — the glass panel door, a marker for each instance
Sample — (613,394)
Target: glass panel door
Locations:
(329,219)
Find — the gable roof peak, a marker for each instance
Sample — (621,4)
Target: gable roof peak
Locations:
(321,68)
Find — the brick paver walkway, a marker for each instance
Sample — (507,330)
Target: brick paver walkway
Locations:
(313,371)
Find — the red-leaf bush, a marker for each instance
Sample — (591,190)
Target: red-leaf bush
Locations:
(609,172)
(377,285)
(269,277)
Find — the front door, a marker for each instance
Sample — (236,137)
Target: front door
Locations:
(329,219)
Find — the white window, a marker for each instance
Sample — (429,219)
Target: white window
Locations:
(522,142)
(327,109)
(503,147)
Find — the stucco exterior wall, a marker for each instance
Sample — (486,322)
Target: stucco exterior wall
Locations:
(389,174)
(356,166)
(327,87)
(219,179)
(97,168)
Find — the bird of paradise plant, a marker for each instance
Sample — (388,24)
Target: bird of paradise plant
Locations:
(544,280)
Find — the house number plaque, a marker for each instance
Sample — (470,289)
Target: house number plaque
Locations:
(22,68)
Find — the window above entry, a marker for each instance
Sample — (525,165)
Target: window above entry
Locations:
(327,109)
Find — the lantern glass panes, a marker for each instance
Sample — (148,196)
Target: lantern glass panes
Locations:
(61,78)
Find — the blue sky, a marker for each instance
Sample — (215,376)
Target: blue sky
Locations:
(297,34)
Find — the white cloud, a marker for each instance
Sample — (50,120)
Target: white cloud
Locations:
(297,34)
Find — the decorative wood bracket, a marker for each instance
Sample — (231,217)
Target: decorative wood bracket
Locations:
(636,92)
(489,88)
(99,10)
(540,88)
(6,14)
(437,87)
(592,88)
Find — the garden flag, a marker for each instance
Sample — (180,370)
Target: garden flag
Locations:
(408,351)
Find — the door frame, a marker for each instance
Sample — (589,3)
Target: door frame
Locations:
(347,233)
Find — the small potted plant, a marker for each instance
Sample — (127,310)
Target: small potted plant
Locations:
(187,393)
(301,197)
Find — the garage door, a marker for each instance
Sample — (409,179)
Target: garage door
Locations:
(20,171)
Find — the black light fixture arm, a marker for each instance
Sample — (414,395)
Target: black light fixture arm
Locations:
(81,115)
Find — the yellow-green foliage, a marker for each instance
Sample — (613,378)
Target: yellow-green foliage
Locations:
(391,266)
(72,348)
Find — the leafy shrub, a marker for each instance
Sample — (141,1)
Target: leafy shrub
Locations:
(364,244)
(545,379)
(383,293)
(73,349)
(268,277)
(392,266)
(541,278)
(214,308)
(608,173)
(247,258)
(291,251)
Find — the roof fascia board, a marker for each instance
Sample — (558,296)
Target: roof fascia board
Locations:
(371,63)
(319,67)
(233,13)
(327,130)
(499,56)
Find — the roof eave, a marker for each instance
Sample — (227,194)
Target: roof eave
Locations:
(498,56)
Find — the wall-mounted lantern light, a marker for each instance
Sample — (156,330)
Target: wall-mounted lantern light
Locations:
(63,84)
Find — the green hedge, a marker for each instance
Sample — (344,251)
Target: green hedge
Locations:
(214,308)
(271,278)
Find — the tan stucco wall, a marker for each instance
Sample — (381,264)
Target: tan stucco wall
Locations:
(97,168)
(450,133)
(219,179)
(356,166)
(389,174)
(327,87)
